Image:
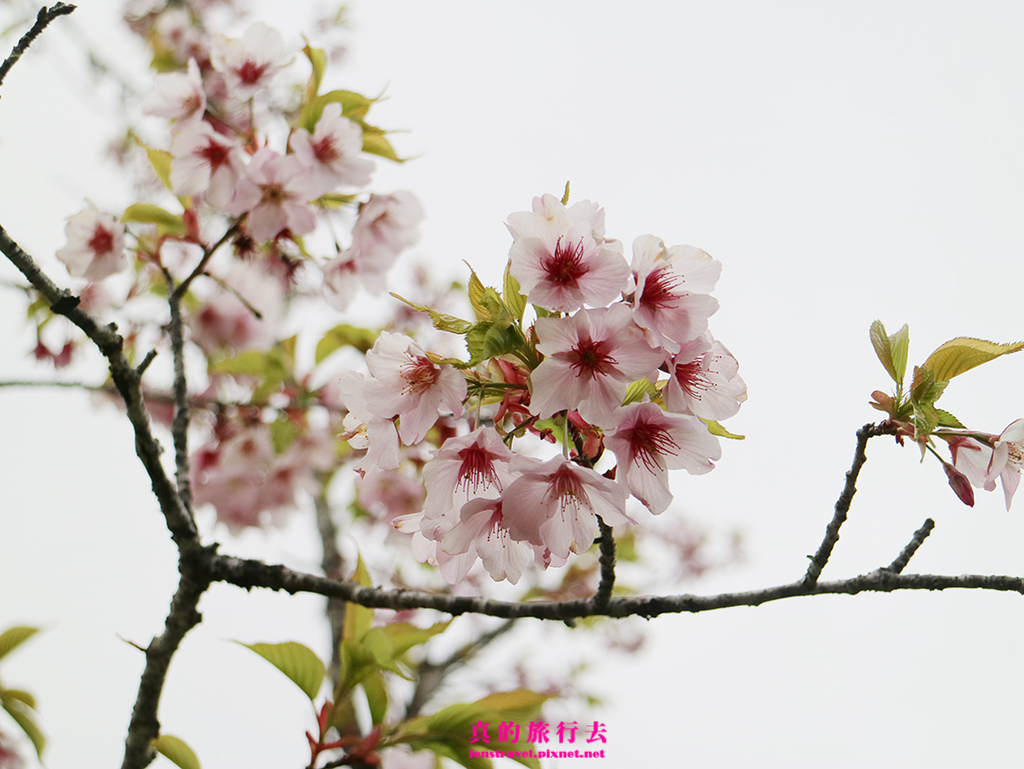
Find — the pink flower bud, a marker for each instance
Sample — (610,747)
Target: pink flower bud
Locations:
(959,483)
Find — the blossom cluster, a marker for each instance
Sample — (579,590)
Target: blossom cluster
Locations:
(253,181)
(619,356)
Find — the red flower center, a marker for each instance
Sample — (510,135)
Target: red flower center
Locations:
(565,266)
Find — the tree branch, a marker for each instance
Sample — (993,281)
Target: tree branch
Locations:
(845,498)
(897,566)
(43,19)
(249,573)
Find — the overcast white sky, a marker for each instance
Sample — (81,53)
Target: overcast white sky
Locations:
(845,162)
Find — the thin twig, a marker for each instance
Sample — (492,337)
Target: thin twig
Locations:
(843,503)
(43,19)
(897,566)
(431,675)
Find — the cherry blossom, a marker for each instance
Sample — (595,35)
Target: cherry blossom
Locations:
(549,214)
(704,380)
(386,226)
(648,442)
(249,64)
(224,318)
(555,504)
(473,466)
(275,192)
(483,531)
(670,299)
(205,161)
(406,383)
(365,430)
(332,152)
(95,245)
(591,357)
(177,95)
(992,457)
(560,258)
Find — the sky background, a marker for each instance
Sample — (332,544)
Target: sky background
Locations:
(845,162)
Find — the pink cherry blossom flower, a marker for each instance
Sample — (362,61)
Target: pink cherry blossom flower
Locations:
(483,532)
(670,299)
(222,321)
(648,442)
(177,95)
(345,274)
(704,380)
(332,152)
(555,504)
(427,535)
(591,357)
(205,161)
(993,456)
(1007,459)
(95,245)
(407,384)
(365,430)
(549,214)
(390,493)
(386,226)
(473,466)
(176,32)
(560,258)
(251,63)
(275,192)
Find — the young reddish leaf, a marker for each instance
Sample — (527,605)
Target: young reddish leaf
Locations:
(298,662)
(964,353)
(176,750)
(13,637)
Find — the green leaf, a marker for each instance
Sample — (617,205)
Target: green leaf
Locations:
(345,335)
(948,420)
(404,636)
(638,389)
(441,320)
(176,750)
(883,349)
(514,299)
(357,618)
(14,637)
(161,162)
(963,353)
(354,106)
(476,293)
(376,697)
(487,339)
(716,429)
(25,719)
(26,698)
(374,143)
(147,213)
(899,346)
(298,662)
(318,62)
